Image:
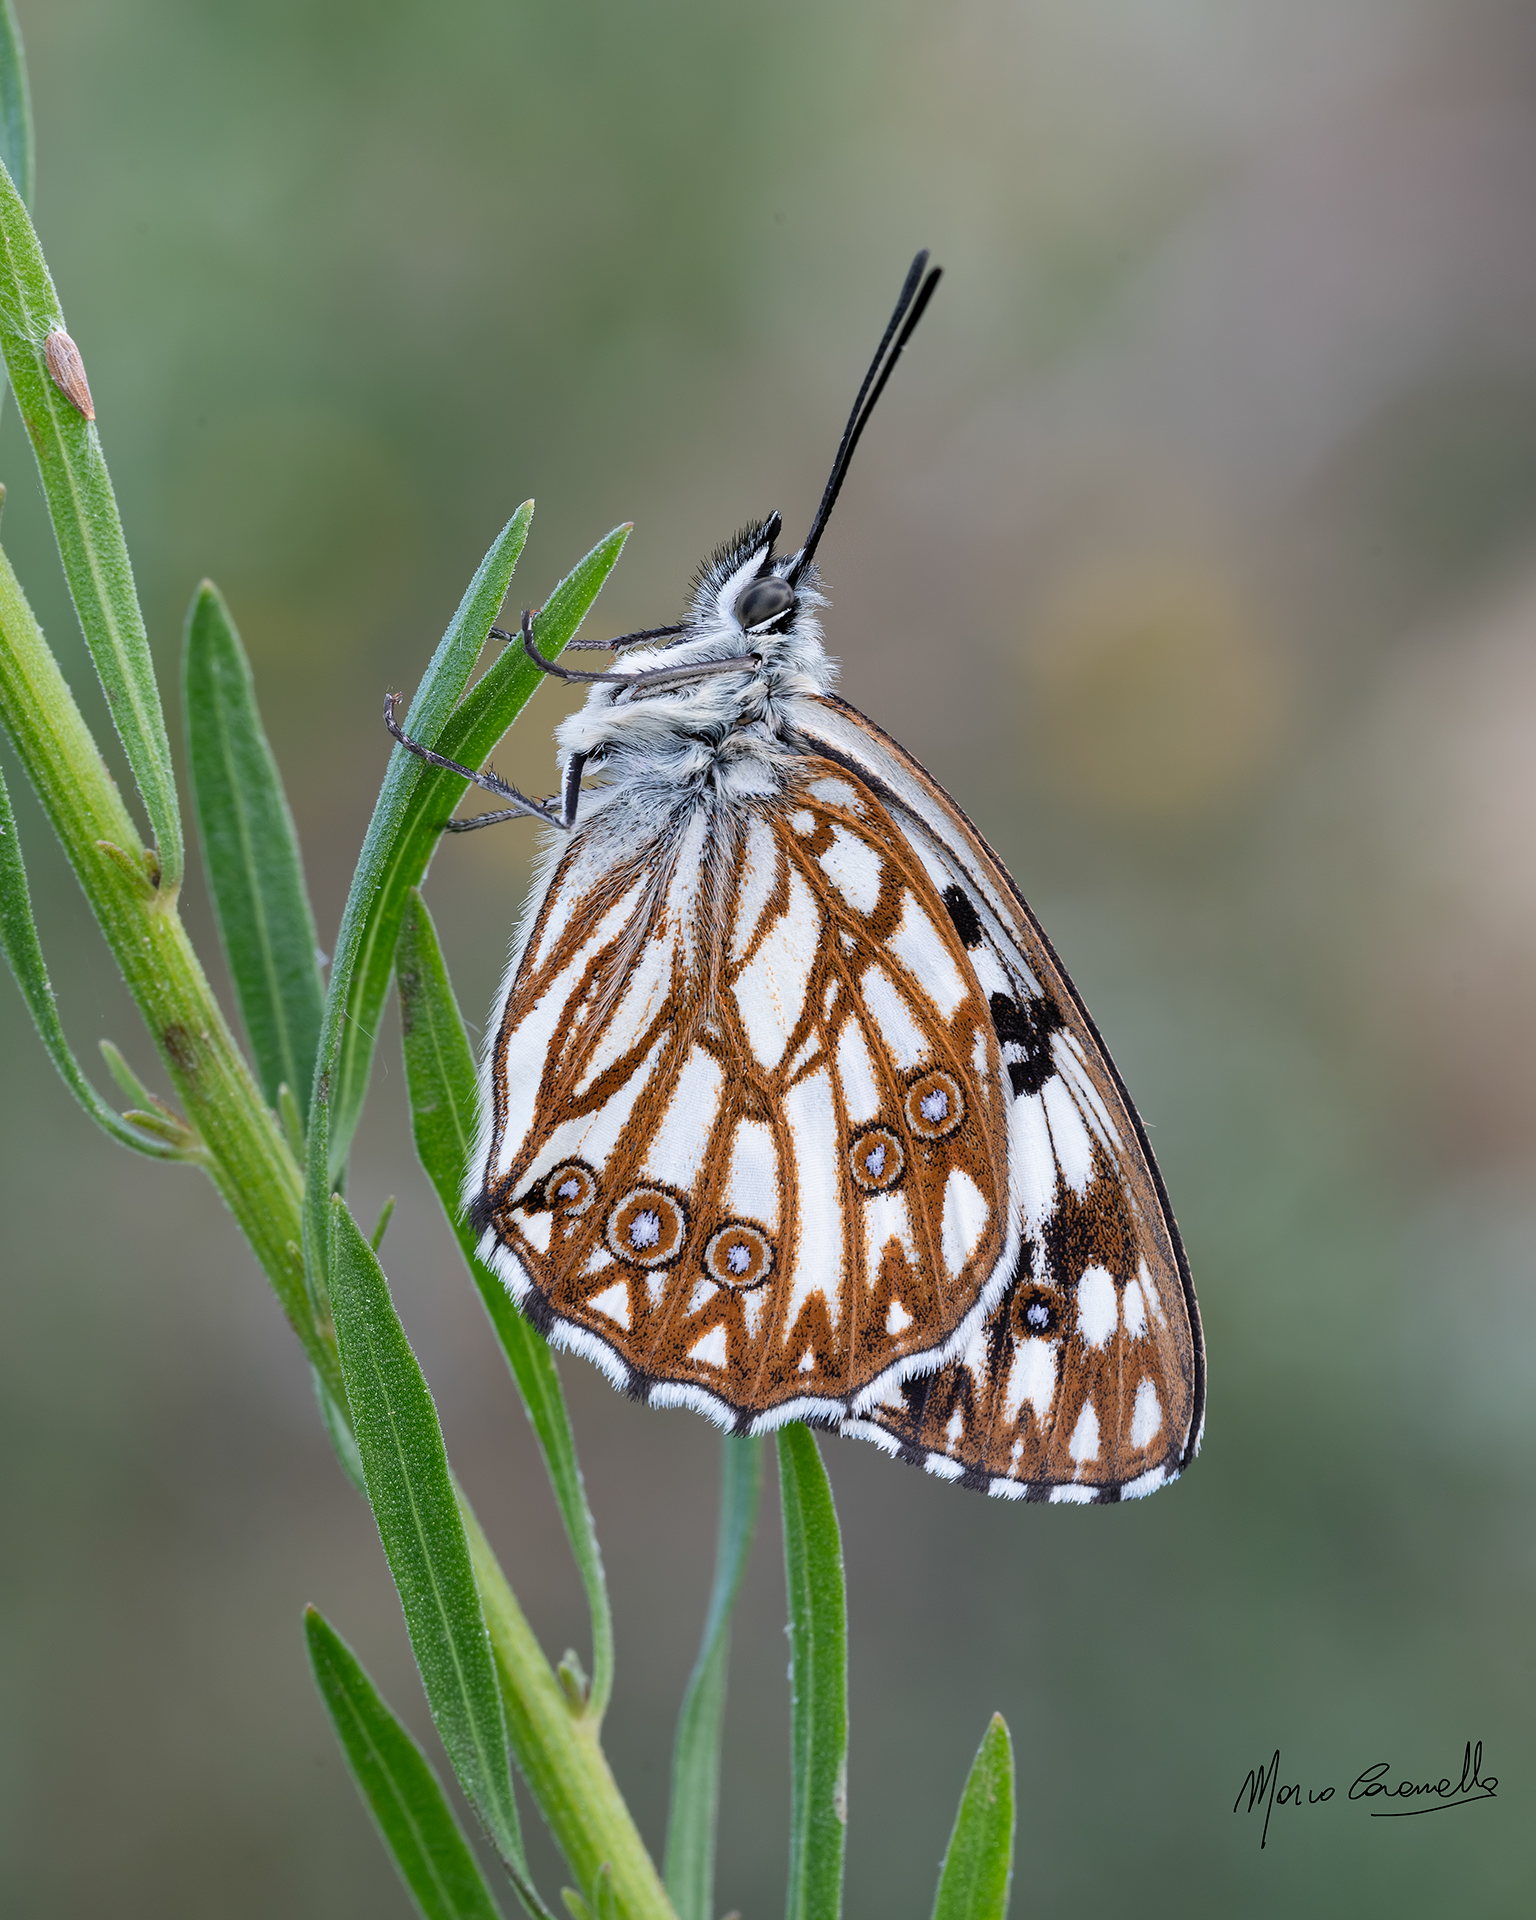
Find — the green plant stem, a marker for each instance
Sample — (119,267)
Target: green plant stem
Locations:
(559,1752)
(248,1158)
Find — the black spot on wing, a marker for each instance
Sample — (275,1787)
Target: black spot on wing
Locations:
(1094,1229)
(478,1212)
(537,1310)
(963,912)
(1028,1027)
(914,1391)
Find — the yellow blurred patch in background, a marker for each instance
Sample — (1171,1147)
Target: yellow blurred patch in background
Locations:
(1150,688)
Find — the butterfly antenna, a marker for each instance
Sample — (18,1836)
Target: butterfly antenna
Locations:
(916,292)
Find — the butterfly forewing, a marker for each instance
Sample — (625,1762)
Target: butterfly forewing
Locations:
(1088,1380)
(750,1112)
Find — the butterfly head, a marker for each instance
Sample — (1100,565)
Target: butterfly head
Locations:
(746,605)
(748,592)
(744,587)
(746,615)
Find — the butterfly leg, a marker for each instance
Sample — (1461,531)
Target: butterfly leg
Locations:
(617,645)
(492,783)
(571,799)
(650,677)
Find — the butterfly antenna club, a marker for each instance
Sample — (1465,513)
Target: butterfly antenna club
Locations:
(916,292)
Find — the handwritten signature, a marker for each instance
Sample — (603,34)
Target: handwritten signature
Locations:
(1262,1787)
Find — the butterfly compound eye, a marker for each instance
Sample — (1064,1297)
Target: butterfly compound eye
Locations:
(764,600)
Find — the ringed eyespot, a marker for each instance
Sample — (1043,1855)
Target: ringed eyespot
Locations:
(934,1105)
(1036,1313)
(876,1160)
(764,600)
(647,1227)
(570,1188)
(739,1256)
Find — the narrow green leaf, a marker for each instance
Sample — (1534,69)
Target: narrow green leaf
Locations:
(18,934)
(292,1122)
(343,1441)
(162,1124)
(16,153)
(440,1077)
(87,527)
(149,1113)
(381,1226)
(690,1856)
(406,1469)
(371,902)
(128,1081)
(255,872)
(818,1640)
(416,800)
(978,1863)
(603,1905)
(15,105)
(398,1786)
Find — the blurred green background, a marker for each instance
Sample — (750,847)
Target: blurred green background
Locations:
(1194,549)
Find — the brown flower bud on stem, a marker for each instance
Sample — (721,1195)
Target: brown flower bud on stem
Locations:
(68,371)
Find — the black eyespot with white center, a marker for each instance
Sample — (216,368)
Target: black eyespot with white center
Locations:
(739,1256)
(570,1188)
(1036,1313)
(764,601)
(934,1105)
(647,1228)
(876,1160)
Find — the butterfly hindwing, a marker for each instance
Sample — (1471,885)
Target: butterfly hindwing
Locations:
(749,1112)
(1087,1383)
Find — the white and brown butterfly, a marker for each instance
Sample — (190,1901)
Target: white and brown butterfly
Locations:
(789,1111)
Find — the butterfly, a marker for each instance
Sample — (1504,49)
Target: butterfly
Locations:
(788,1109)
